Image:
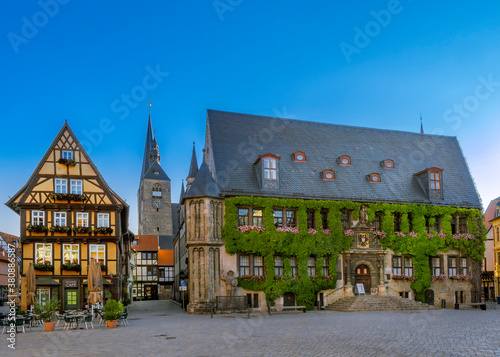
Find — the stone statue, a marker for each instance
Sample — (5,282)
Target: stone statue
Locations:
(363,215)
(231,282)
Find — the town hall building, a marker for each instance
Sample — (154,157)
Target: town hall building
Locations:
(306,213)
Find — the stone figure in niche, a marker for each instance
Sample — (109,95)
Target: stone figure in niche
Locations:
(363,215)
(231,282)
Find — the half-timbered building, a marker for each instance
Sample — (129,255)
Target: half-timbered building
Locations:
(69,215)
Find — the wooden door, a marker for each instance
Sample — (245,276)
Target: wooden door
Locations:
(289,299)
(154,292)
(363,277)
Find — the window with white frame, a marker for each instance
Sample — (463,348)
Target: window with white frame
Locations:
(82,219)
(60,218)
(71,253)
(463,266)
(76,187)
(38,218)
(397,265)
(258,265)
(67,155)
(436,266)
(270,168)
(43,253)
(102,220)
(408,266)
(61,186)
(98,252)
(311,266)
(244,265)
(452,266)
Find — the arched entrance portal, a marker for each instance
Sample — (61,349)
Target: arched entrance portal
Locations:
(289,299)
(363,277)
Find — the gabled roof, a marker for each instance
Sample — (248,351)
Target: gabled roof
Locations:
(67,133)
(489,214)
(193,168)
(323,144)
(146,243)
(155,167)
(203,184)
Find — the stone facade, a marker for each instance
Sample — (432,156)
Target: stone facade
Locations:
(155,212)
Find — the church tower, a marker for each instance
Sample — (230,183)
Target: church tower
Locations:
(153,197)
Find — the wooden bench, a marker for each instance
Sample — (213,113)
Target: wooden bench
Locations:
(275,308)
(482,305)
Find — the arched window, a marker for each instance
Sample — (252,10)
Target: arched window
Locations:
(388,164)
(157,190)
(299,156)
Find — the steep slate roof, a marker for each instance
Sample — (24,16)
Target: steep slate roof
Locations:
(203,184)
(166,241)
(175,219)
(193,168)
(238,139)
(489,214)
(150,138)
(155,166)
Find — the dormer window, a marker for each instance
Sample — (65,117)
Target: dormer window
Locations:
(374,177)
(270,168)
(344,160)
(156,172)
(328,175)
(388,164)
(267,170)
(299,156)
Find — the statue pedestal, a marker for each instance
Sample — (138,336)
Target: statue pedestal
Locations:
(348,290)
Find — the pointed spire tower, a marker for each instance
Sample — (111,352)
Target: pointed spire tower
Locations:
(183,192)
(153,196)
(193,169)
(421,125)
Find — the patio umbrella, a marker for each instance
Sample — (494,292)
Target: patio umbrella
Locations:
(15,296)
(31,284)
(94,280)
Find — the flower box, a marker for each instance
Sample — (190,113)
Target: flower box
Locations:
(103,230)
(44,267)
(67,162)
(81,230)
(37,228)
(60,229)
(67,196)
(71,267)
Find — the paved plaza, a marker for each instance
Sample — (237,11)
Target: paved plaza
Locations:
(161,328)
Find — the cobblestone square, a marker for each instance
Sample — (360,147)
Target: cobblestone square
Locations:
(160,328)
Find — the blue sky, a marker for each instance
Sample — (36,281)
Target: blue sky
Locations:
(373,63)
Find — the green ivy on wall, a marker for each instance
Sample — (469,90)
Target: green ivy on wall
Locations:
(303,245)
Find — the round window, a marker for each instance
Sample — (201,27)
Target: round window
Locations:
(329,175)
(388,164)
(300,157)
(375,178)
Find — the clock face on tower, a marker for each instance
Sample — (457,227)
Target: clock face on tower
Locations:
(363,240)
(156,203)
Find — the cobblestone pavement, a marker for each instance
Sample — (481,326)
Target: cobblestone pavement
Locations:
(160,328)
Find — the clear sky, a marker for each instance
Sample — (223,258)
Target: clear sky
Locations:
(370,63)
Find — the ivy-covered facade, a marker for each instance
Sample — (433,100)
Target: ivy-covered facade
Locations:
(303,213)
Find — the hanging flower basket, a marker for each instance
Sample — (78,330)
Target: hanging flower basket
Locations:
(44,267)
(37,228)
(71,266)
(67,162)
(103,230)
(82,229)
(67,196)
(60,229)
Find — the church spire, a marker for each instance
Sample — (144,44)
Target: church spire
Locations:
(151,152)
(183,192)
(421,125)
(193,169)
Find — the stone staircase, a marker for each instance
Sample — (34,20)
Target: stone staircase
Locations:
(377,303)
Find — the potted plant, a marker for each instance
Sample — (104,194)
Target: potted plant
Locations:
(112,310)
(44,267)
(71,266)
(47,312)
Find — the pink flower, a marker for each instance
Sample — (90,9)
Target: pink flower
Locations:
(400,234)
(312,231)
(327,231)
(413,234)
(429,235)
(349,232)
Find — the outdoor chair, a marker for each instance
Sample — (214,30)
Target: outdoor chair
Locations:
(123,319)
(27,321)
(4,324)
(59,318)
(69,322)
(20,323)
(88,319)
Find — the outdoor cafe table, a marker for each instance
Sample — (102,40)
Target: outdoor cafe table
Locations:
(77,317)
